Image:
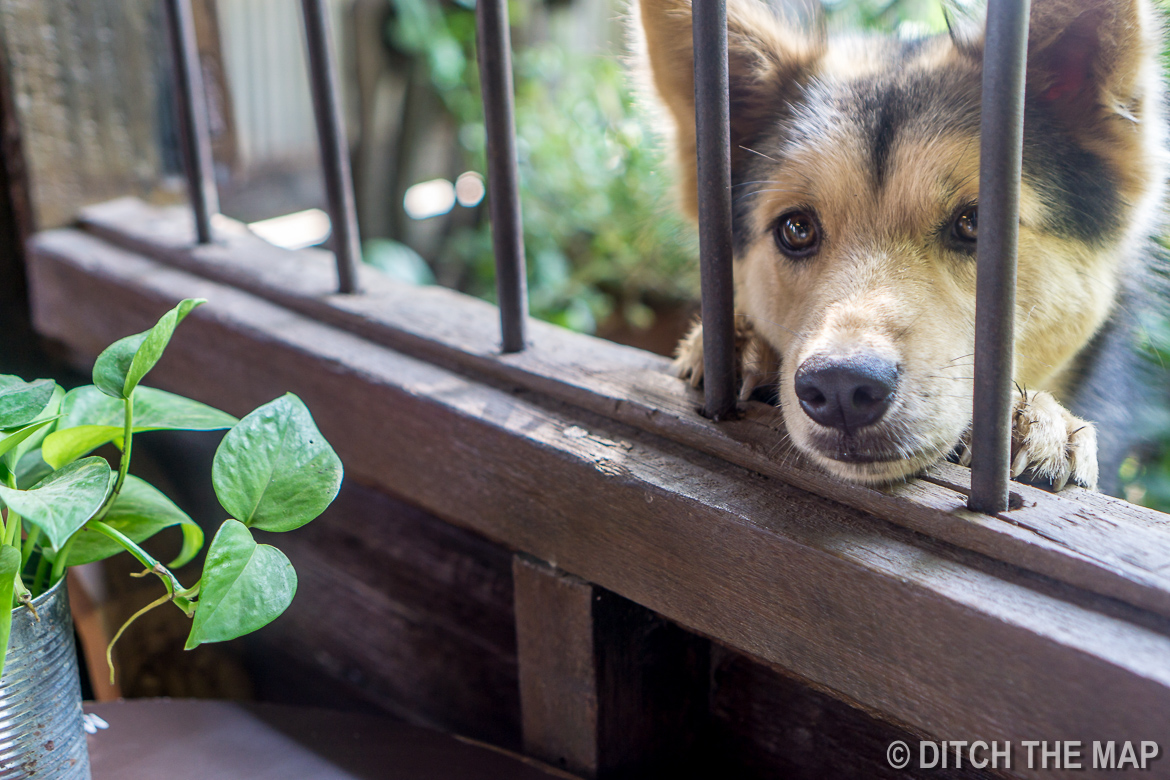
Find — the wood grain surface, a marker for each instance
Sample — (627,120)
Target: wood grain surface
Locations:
(941,640)
(1091,541)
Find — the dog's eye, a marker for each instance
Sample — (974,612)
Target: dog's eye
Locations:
(966,226)
(797,234)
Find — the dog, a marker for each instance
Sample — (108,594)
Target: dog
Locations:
(855,175)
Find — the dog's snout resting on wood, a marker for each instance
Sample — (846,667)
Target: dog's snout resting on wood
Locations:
(855,175)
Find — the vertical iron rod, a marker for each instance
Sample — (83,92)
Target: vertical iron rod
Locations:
(1000,151)
(713,137)
(346,243)
(495,74)
(191,108)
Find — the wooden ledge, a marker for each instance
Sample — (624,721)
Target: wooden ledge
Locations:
(1100,544)
(943,641)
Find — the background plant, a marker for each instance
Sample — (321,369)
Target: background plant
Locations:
(600,232)
(273,471)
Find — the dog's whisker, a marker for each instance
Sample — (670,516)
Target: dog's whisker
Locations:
(761,154)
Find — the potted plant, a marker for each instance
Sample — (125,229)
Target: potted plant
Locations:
(63,507)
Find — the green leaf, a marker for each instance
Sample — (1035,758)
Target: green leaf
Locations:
(21,402)
(398,261)
(245,586)
(63,501)
(140,511)
(50,413)
(153,410)
(9,566)
(61,447)
(10,441)
(124,363)
(274,470)
(30,469)
(89,419)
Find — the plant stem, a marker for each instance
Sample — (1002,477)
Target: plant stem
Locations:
(30,542)
(110,647)
(127,442)
(145,558)
(124,461)
(59,561)
(12,529)
(22,595)
(42,572)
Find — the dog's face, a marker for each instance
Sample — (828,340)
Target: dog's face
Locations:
(856,189)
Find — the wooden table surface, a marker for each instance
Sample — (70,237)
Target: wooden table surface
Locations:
(182,739)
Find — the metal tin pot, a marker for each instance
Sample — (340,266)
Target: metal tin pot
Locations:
(41,731)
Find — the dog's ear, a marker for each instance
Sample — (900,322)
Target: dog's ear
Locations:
(765,57)
(1093,59)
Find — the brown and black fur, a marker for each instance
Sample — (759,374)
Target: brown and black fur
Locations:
(874,140)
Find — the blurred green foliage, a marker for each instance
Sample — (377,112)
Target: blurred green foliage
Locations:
(598,227)
(599,232)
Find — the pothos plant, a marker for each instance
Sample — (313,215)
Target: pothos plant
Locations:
(63,507)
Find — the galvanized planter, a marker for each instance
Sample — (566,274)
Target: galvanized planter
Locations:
(41,732)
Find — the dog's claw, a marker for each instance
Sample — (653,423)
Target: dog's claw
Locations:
(965,458)
(1052,444)
(1020,464)
(688,357)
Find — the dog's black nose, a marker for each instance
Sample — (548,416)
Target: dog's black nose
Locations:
(846,393)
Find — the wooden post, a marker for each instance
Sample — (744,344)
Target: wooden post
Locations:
(608,689)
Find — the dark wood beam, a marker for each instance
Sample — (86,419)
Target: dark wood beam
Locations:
(608,689)
(935,638)
(1082,538)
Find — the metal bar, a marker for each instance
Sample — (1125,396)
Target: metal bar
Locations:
(1000,151)
(191,108)
(495,74)
(346,243)
(713,136)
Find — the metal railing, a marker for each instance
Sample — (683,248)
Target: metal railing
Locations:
(191,107)
(999,183)
(1001,140)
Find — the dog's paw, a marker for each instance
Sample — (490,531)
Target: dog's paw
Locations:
(1051,443)
(759,365)
(756,363)
(688,356)
(1050,447)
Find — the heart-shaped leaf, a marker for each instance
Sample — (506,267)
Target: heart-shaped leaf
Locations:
(123,364)
(140,511)
(30,470)
(22,402)
(63,501)
(274,470)
(245,586)
(89,419)
(9,566)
